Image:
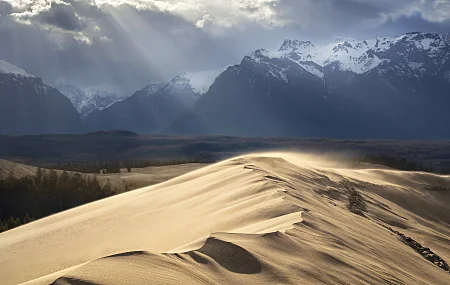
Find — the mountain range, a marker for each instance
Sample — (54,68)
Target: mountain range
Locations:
(392,88)
(28,106)
(381,88)
(156,106)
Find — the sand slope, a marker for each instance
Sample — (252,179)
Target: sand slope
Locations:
(257,219)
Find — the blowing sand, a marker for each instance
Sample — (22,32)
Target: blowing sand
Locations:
(274,218)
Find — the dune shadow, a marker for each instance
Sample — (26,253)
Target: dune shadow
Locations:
(130,253)
(71,281)
(230,256)
(199,259)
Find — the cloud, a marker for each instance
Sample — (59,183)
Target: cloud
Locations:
(61,15)
(435,11)
(5,8)
(414,22)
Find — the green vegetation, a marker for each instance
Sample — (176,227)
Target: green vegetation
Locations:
(23,200)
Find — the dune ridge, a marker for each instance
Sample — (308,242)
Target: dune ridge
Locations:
(262,218)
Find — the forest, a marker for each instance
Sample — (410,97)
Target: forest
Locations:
(393,162)
(25,199)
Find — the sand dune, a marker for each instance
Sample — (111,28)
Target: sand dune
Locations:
(274,218)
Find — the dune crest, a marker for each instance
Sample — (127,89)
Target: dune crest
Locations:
(262,218)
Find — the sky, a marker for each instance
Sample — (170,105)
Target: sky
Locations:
(121,46)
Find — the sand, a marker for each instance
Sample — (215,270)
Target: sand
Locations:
(273,218)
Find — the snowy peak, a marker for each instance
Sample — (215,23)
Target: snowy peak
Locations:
(88,100)
(8,68)
(196,83)
(293,45)
(152,88)
(339,40)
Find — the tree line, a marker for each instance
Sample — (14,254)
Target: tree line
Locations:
(393,162)
(115,166)
(25,199)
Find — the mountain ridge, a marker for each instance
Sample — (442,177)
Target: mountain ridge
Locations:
(28,106)
(354,55)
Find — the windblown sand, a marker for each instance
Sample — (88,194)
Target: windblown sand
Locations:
(274,218)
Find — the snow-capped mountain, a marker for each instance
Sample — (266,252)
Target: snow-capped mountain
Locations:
(88,100)
(412,50)
(410,55)
(196,82)
(156,105)
(28,106)
(379,88)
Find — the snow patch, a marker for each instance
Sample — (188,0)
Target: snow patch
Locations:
(447,76)
(152,88)
(416,65)
(8,68)
(313,70)
(278,73)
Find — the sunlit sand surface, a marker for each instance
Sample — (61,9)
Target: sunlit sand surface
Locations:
(271,218)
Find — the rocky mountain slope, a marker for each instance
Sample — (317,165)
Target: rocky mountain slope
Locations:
(156,106)
(380,88)
(28,106)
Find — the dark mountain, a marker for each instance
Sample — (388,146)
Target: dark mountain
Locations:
(380,88)
(155,107)
(27,106)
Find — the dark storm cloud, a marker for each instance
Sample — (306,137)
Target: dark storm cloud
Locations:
(332,17)
(62,16)
(5,8)
(412,23)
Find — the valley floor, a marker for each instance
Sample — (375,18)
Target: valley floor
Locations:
(271,218)
(137,178)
